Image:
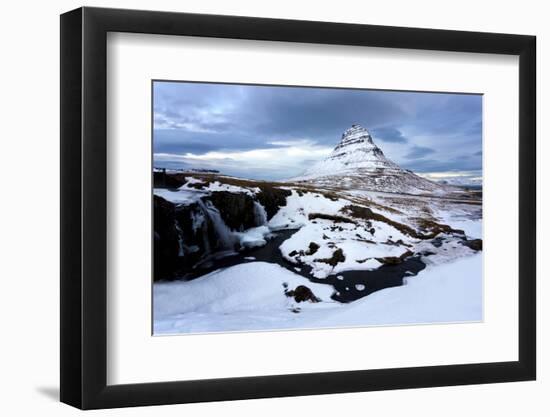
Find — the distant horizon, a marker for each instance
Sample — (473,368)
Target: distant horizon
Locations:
(275,133)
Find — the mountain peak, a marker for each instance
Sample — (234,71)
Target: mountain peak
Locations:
(356,149)
(355,134)
(356,161)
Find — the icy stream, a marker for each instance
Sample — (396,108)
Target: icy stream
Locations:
(348,285)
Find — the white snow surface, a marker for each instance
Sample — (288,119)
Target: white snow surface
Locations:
(253,237)
(187,194)
(178,196)
(297,209)
(242,297)
(358,252)
(450,292)
(218,186)
(359,246)
(251,296)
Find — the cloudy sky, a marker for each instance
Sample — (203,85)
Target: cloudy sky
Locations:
(266,132)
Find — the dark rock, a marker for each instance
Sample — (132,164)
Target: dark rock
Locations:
(431,228)
(337,256)
(398,242)
(395,260)
(437,242)
(272,199)
(236,209)
(196,232)
(301,294)
(199,185)
(330,196)
(474,244)
(313,247)
(163,180)
(336,219)
(166,244)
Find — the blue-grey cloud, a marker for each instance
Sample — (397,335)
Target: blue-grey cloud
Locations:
(417,152)
(388,134)
(246,122)
(434,165)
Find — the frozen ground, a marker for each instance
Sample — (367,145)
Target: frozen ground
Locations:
(252,296)
(338,230)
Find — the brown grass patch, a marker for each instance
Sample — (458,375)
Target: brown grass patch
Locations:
(336,219)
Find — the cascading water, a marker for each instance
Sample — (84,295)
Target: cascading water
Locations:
(260,215)
(181,245)
(226,239)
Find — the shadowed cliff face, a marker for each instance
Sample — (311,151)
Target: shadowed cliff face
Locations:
(187,234)
(165,238)
(272,199)
(236,209)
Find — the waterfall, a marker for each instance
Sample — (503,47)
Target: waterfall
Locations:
(260,216)
(181,245)
(226,239)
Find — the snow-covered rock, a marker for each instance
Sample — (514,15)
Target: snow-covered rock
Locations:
(355,150)
(358,163)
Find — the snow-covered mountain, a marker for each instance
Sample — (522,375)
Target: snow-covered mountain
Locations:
(357,163)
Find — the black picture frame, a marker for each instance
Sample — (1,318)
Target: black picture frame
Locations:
(84,207)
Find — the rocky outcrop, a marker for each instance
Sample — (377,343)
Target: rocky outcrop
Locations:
(236,209)
(474,244)
(272,199)
(186,234)
(431,229)
(301,294)
(337,256)
(331,217)
(395,260)
(165,245)
(163,180)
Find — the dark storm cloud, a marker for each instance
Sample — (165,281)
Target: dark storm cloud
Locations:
(181,141)
(388,134)
(268,112)
(417,152)
(240,127)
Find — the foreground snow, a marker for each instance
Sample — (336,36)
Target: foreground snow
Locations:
(445,293)
(252,296)
(242,297)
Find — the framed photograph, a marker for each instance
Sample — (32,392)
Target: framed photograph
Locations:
(258,208)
